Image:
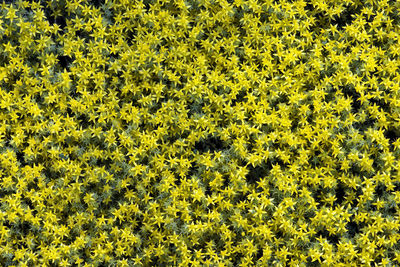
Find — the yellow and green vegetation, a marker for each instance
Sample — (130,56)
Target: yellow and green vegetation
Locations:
(200,133)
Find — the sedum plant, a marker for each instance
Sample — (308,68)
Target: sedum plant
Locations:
(199,133)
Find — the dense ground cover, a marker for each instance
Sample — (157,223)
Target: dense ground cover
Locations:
(199,133)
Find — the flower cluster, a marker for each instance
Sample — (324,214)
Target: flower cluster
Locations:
(199,133)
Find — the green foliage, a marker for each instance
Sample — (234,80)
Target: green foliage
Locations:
(199,133)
